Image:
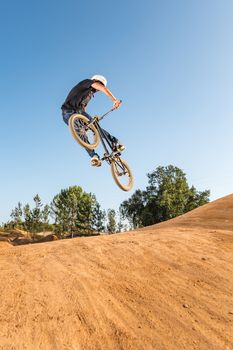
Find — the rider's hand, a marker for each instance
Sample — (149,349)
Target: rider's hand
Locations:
(116,104)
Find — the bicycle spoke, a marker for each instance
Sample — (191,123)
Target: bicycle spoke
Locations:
(85,134)
(121,173)
(118,165)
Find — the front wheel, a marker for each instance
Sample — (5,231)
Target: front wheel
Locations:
(86,136)
(122,174)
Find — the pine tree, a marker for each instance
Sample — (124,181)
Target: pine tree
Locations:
(37,214)
(99,217)
(28,220)
(16,216)
(111,225)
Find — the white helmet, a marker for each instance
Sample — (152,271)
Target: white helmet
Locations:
(100,78)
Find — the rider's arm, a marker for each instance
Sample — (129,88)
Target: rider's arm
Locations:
(100,87)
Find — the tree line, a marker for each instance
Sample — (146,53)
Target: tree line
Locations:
(166,196)
(72,211)
(76,212)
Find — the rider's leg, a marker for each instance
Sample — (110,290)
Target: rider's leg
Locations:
(95,158)
(81,111)
(113,139)
(106,134)
(66,116)
(116,146)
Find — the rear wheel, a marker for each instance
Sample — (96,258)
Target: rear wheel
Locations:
(86,136)
(122,174)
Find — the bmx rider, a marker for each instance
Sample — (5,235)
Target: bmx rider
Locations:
(77,100)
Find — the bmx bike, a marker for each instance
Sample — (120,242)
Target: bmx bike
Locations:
(88,133)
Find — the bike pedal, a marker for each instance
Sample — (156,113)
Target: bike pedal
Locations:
(105,156)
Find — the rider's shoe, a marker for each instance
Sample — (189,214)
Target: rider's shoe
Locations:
(117,147)
(95,161)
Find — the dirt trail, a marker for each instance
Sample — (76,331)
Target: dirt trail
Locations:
(169,286)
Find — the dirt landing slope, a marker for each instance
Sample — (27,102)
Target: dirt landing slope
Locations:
(215,215)
(167,287)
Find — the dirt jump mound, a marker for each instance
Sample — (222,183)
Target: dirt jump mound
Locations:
(168,286)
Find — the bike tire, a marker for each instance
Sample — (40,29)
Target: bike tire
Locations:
(116,162)
(77,120)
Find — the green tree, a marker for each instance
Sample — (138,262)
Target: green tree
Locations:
(16,215)
(32,220)
(166,196)
(45,214)
(36,214)
(45,218)
(120,224)
(197,198)
(28,220)
(99,217)
(73,210)
(111,223)
(133,209)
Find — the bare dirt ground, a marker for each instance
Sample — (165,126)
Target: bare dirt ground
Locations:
(169,286)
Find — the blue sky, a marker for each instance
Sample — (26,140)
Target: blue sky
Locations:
(169,61)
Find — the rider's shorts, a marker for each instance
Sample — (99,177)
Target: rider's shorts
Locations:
(67,114)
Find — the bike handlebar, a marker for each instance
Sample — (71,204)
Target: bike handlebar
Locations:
(111,110)
(117,107)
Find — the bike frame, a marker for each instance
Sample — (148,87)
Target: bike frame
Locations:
(102,134)
(109,157)
(104,140)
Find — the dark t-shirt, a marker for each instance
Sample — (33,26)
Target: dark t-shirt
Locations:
(79,96)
